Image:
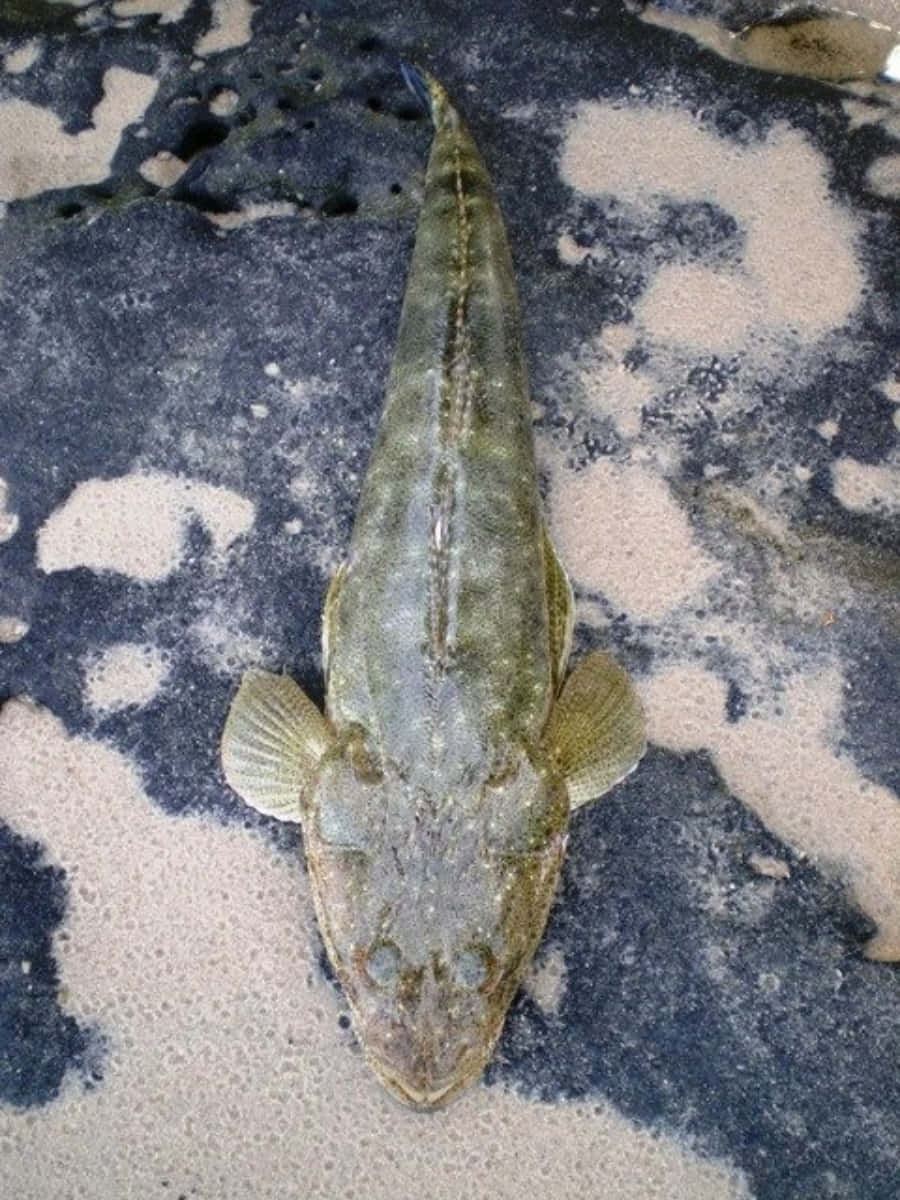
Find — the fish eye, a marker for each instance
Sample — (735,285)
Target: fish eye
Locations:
(383,964)
(472,967)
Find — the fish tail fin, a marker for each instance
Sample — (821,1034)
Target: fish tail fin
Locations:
(426,89)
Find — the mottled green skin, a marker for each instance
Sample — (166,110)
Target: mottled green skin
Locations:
(456,632)
(435,827)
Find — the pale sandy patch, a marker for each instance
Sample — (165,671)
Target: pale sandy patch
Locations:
(701,307)
(12,629)
(617,339)
(796,275)
(866,487)
(545,982)
(608,522)
(785,767)
(36,154)
(608,386)
(223,102)
(124,674)
(569,251)
(18,61)
(167,10)
(769,866)
(135,524)
(861,112)
(162,169)
(883,177)
(222,641)
(251,213)
(9,520)
(231,27)
(521,112)
(828,429)
(189,946)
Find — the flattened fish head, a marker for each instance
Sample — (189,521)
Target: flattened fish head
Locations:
(431,911)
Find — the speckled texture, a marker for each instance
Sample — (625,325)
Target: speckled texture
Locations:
(190,383)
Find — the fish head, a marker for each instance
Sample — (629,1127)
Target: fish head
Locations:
(431,908)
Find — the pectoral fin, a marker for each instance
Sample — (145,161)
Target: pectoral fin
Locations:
(560,610)
(596,732)
(273,740)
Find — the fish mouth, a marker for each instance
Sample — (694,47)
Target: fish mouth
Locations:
(422,1099)
(424,1089)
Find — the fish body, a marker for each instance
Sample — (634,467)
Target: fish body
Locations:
(449,519)
(435,792)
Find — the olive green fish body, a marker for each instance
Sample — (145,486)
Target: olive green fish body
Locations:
(435,794)
(439,641)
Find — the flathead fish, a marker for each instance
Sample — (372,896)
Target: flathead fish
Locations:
(435,791)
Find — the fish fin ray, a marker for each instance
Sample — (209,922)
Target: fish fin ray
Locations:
(272,742)
(596,733)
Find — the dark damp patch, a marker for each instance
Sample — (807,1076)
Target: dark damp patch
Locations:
(203,202)
(871,702)
(407,110)
(40,1042)
(34,16)
(102,191)
(202,135)
(735,703)
(340,204)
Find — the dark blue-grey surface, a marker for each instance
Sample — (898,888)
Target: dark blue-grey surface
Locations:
(38,1041)
(717,1001)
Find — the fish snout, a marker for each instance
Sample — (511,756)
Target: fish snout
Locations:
(431,1051)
